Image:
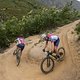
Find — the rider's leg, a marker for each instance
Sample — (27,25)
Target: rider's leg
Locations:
(18,47)
(15,51)
(56,44)
(21,46)
(56,49)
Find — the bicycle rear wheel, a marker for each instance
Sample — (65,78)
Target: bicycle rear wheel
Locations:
(18,56)
(47,65)
(61,52)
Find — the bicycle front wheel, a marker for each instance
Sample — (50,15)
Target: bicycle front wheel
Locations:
(18,56)
(47,65)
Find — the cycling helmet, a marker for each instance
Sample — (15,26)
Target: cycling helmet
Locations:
(43,36)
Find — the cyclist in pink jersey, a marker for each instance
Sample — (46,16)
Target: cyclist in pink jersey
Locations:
(20,42)
(54,39)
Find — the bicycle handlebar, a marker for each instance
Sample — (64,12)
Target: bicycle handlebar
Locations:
(48,52)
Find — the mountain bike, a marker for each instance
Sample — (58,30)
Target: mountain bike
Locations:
(47,63)
(18,54)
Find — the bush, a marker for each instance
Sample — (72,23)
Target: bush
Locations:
(4,41)
(35,22)
(78,28)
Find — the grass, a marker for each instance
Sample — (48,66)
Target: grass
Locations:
(17,8)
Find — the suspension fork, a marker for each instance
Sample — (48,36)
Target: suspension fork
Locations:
(48,60)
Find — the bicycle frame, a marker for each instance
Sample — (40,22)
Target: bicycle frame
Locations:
(18,54)
(49,60)
(50,54)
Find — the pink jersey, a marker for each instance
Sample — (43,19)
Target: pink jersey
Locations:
(52,37)
(20,40)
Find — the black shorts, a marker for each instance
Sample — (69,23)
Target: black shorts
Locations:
(56,43)
(21,46)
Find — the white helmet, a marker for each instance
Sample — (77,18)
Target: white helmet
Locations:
(43,36)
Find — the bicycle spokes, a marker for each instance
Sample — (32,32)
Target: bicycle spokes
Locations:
(61,52)
(48,62)
(47,65)
(18,56)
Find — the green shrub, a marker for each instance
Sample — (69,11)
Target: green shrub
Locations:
(36,22)
(4,41)
(78,28)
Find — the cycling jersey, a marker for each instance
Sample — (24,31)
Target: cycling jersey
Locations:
(20,40)
(52,37)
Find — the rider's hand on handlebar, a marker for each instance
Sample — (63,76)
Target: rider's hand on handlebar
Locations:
(15,41)
(43,50)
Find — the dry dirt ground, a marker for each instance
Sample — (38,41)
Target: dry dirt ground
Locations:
(29,68)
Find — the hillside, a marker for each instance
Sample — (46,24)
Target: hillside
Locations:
(17,7)
(60,3)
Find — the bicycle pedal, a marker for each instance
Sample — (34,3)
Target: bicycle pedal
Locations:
(14,53)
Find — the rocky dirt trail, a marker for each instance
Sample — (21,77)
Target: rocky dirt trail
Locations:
(29,68)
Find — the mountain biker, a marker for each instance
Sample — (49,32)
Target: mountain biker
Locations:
(20,42)
(54,40)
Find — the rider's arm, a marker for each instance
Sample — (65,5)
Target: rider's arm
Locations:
(16,40)
(46,44)
(52,46)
